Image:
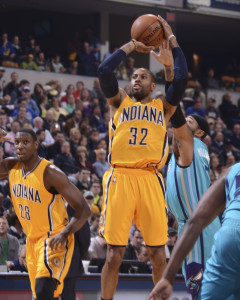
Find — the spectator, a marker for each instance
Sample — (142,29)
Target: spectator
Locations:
(4,121)
(65,161)
(228,110)
(71,104)
(75,136)
(96,190)
(93,139)
(81,157)
(49,121)
(42,149)
(172,238)
(19,264)
(38,91)
(73,68)
(26,92)
(56,65)
(143,256)
(94,43)
(17,48)
(9,148)
(97,248)
(211,111)
(79,88)
(85,97)
(133,245)
(29,63)
(23,114)
(7,52)
(69,91)
(83,179)
(2,82)
(211,81)
(41,62)
(96,119)
(89,197)
(58,112)
(215,166)
(75,121)
(217,142)
(129,68)
(101,165)
(94,223)
(12,86)
(197,108)
(235,137)
(32,47)
(55,148)
(9,245)
(16,229)
(37,125)
(87,62)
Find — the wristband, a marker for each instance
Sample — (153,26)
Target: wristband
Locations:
(135,44)
(170,36)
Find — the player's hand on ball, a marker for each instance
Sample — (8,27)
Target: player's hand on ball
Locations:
(57,241)
(142,48)
(166,27)
(165,54)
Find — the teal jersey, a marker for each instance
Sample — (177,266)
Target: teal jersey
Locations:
(185,186)
(232,190)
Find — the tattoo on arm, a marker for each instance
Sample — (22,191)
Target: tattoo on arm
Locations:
(169,73)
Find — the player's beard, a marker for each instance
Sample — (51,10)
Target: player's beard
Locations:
(138,95)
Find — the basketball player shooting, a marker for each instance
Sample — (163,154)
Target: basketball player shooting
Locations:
(38,190)
(133,189)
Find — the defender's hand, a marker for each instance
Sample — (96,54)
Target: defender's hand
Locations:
(162,290)
(165,54)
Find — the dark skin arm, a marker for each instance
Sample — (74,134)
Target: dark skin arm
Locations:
(183,145)
(209,207)
(56,181)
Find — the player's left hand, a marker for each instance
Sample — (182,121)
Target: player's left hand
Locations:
(142,48)
(165,54)
(162,290)
(57,241)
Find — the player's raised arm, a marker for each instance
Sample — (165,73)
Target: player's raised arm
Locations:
(209,207)
(178,85)
(107,78)
(56,181)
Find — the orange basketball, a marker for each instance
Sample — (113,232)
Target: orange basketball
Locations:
(148,30)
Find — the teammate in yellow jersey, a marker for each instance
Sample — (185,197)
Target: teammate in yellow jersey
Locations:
(132,188)
(38,190)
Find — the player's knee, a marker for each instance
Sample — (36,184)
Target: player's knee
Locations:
(114,257)
(44,288)
(157,255)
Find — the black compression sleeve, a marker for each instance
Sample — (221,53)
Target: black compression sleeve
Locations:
(178,118)
(107,78)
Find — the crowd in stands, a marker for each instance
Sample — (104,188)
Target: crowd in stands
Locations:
(72,131)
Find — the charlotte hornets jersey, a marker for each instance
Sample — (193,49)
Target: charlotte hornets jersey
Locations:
(232,190)
(39,211)
(138,137)
(185,186)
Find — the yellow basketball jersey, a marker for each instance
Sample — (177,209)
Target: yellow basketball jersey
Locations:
(137,136)
(40,212)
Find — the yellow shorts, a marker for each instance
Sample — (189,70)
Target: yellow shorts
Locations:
(42,262)
(133,194)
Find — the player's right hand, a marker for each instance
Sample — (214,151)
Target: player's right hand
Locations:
(162,290)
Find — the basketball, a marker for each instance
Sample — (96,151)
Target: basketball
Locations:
(148,30)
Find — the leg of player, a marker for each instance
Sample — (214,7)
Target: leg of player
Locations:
(158,258)
(44,288)
(109,277)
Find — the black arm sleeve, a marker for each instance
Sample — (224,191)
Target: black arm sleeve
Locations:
(176,89)
(107,78)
